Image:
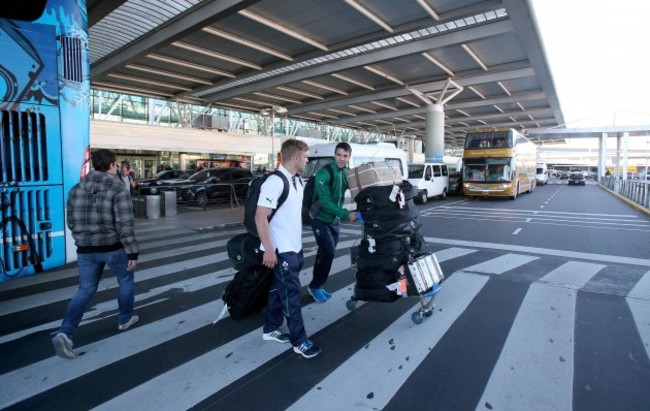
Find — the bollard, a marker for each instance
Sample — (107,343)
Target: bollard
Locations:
(170,203)
(153,206)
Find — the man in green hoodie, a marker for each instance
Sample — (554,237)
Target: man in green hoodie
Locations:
(326,223)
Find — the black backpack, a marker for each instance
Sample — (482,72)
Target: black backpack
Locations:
(310,201)
(248,292)
(253,194)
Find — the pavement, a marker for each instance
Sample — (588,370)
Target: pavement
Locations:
(213,217)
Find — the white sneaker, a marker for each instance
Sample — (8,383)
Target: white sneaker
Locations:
(123,327)
(63,346)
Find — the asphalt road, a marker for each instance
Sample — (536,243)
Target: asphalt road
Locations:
(545,306)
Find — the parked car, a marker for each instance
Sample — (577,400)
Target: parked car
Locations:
(214,184)
(165,177)
(577,178)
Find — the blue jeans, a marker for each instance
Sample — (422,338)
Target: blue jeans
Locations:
(90,272)
(327,237)
(285,296)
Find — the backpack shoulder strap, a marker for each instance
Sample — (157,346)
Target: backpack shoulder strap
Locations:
(331,172)
(285,191)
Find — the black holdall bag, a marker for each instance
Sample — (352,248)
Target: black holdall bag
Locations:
(244,252)
(248,292)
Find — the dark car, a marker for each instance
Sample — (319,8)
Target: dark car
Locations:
(214,184)
(165,177)
(455,184)
(577,178)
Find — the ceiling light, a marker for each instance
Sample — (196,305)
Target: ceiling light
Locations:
(353,81)
(435,61)
(513,119)
(531,118)
(246,43)
(252,101)
(366,124)
(121,89)
(322,114)
(299,92)
(478,93)
(474,56)
(372,16)
(497,107)
(503,87)
(307,118)
(401,119)
(384,122)
(382,104)
(283,29)
(383,74)
(347,113)
(147,81)
(237,106)
(367,110)
(168,74)
(463,113)
(276,97)
(464,124)
(216,55)
(429,9)
(190,65)
(520,106)
(482,122)
(325,87)
(419,116)
(407,101)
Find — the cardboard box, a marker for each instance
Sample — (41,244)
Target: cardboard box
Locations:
(425,272)
(376,173)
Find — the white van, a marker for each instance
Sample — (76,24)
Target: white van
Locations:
(541,174)
(430,179)
(322,154)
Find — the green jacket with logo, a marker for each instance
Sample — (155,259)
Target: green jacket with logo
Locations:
(331,201)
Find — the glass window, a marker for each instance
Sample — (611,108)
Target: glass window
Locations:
(427,174)
(416,170)
(436,171)
(444,170)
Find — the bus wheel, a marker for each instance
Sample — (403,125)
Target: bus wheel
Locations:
(513,197)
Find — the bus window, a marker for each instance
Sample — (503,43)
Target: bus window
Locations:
(436,171)
(474,170)
(416,170)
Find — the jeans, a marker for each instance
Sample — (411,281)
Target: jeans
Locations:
(90,272)
(285,296)
(327,237)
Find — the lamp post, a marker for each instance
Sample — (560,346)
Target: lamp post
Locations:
(272,111)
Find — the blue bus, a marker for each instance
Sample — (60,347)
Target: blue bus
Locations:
(44,129)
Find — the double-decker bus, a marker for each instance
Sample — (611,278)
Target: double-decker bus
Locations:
(44,129)
(498,163)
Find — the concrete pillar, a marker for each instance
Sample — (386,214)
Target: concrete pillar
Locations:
(626,138)
(182,160)
(435,133)
(602,155)
(410,148)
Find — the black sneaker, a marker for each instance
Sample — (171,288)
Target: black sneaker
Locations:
(307,349)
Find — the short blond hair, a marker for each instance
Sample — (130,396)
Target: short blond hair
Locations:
(292,147)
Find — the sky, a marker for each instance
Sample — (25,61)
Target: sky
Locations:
(598,52)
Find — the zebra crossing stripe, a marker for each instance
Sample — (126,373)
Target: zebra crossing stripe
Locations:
(573,274)
(500,265)
(382,370)
(228,362)
(639,302)
(535,367)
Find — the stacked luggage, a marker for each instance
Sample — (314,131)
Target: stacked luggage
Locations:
(388,253)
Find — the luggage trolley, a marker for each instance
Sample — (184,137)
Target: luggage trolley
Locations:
(419,277)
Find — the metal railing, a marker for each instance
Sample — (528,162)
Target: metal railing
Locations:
(637,191)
